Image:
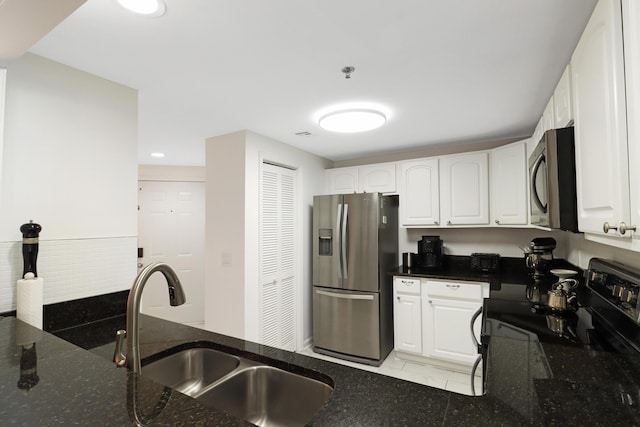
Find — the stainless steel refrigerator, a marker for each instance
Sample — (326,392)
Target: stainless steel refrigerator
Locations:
(355,246)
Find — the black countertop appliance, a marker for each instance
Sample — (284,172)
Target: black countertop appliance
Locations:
(430,253)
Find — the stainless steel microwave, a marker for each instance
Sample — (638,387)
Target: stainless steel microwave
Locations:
(552,176)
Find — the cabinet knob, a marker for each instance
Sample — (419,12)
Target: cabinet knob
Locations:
(448,222)
(497,221)
(435,222)
(430,302)
(622,227)
(606,227)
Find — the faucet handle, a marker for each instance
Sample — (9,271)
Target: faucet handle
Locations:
(118,356)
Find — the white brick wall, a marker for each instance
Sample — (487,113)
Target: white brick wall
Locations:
(71,269)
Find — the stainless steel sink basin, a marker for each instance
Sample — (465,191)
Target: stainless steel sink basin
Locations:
(268,396)
(190,371)
(261,394)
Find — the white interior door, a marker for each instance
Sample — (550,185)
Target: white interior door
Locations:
(171,229)
(277,286)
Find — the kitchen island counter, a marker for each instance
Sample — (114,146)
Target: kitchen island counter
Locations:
(77,386)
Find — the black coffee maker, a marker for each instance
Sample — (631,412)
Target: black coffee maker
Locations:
(430,254)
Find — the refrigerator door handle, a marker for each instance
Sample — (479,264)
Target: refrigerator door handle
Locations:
(344,296)
(345,218)
(339,223)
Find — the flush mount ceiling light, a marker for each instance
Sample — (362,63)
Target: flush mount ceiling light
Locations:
(352,120)
(144,7)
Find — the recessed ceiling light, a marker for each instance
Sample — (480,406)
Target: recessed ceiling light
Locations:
(159,155)
(352,120)
(144,7)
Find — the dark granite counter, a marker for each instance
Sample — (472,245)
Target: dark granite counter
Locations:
(530,380)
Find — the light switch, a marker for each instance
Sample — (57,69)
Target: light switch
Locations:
(226,259)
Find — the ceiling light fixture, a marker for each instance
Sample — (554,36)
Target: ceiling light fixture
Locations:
(352,120)
(144,7)
(159,155)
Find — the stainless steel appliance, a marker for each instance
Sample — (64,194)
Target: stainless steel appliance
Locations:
(552,174)
(430,253)
(355,245)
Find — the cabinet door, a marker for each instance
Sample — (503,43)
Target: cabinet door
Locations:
(631,15)
(548,116)
(600,125)
(535,138)
(407,322)
(562,101)
(377,178)
(419,193)
(509,190)
(447,330)
(464,190)
(342,180)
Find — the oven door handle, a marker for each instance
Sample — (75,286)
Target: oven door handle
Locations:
(534,192)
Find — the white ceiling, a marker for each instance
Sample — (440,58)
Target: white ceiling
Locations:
(449,71)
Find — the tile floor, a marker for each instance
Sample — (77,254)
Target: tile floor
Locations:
(425,374)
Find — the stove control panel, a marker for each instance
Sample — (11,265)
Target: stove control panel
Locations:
(616,283)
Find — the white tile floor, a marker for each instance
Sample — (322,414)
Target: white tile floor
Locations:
(425,374)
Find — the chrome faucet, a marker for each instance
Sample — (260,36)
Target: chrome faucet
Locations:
(176,297)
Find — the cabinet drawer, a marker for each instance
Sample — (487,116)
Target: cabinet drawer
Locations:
(407,285)
(458,290)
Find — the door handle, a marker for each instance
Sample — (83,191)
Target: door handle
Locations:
(534,193)
(344,296)
(339,225)
(345,218)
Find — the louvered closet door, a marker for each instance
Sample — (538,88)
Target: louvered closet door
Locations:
(277,257)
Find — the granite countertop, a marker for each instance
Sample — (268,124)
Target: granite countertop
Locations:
(77,386)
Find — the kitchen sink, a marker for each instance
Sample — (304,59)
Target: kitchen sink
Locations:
(261,394)
(190,371)
(268,396)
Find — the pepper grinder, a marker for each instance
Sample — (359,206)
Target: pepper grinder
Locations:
(30,233)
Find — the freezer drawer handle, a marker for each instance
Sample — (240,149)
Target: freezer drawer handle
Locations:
(345,296)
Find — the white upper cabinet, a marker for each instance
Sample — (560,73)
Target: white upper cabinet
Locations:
(548,116)
(380,178)
(509,189)
(631,25)
(598,86)
(562,101)
(377,178)
(419,192)
(342,180)
(464,189)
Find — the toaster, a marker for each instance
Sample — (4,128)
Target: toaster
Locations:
(486,263)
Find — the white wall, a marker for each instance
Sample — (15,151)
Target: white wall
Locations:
(233,178)
(582,250)
(69,164)
(224,234)
(465,241)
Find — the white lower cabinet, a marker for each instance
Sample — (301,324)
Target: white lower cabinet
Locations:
(432,318)
(446,333)
(407,315)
